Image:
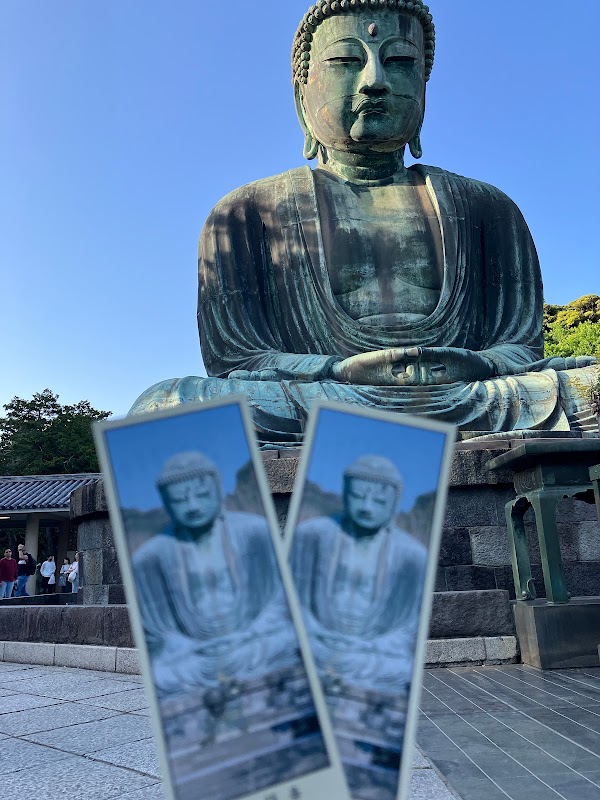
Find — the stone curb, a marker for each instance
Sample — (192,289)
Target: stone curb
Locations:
(82,656)
(477,650)
(439,653)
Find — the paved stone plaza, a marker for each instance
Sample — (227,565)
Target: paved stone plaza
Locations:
(492,732)
(514,732)
(83,734)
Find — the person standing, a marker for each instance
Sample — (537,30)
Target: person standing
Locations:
(62,578)
(73,574)
(47,571)
(8,574)
(25,568)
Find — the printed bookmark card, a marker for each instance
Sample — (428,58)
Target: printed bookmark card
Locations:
(235,700)
(363,537)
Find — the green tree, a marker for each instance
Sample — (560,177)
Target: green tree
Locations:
(42,437)
(573,329)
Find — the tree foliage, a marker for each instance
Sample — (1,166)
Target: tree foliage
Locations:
(42,437)
(573,329)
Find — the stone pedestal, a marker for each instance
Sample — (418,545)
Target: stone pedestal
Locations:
(474,556)
(559,636)
(100,582)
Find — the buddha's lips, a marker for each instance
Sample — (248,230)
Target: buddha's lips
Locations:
(368,106)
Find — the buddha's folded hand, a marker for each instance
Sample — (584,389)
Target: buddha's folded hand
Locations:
(262,375)
(413,366)
(440,365)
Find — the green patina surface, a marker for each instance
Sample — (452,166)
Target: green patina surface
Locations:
(413,290)
(545,473)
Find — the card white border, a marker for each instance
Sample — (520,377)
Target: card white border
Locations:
(421,423)
(328,782)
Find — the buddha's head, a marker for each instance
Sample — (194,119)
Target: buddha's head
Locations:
(190,487)
(360,68)
(372,490)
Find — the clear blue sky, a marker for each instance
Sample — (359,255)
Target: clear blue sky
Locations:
(124,121)
(341,438)
(139,452)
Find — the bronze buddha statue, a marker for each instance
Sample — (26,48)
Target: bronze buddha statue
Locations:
(408,289)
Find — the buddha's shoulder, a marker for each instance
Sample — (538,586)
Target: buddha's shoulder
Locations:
(319,527)
(157,547)
(243,523)
(472,189)
(408,545)
(262,191)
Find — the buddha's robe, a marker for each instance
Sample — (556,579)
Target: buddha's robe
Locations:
(360,602)
(222,620)
(266,303)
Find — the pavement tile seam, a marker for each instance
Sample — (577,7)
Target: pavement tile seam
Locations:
(537,788)
(570,679)
(543,724)
(567,768)
(466,755)
(111,714)
(534,680)
(89,756)
(40,702)
(30,737)
(545,691)
(98,760)
(70,693)
(556,711)
(500,747)
(74,766)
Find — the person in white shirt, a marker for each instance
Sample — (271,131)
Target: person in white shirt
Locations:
(73,574)
(48,570)
(65,586)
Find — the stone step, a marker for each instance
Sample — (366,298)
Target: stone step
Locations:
(54,599)
(475,650)
(455,615)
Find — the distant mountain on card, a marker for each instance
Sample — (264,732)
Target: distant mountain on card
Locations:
(246,495)
(141,525)
(419,519)
(316,502)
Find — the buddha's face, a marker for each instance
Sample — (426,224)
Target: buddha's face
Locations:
(193,503)
(369,505)
(366,81)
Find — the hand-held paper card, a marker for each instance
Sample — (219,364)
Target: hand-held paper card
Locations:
(236,703)
(363,539)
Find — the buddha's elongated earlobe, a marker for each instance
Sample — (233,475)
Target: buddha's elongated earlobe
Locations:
(415,144)
(311,145)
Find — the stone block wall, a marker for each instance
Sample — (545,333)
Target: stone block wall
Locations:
(100,576)
(474,552)
(99,625)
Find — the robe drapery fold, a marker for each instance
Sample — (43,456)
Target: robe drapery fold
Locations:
(266,303)
(265,297)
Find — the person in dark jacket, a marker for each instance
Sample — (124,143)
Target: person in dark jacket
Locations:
(25,568)
(8,574)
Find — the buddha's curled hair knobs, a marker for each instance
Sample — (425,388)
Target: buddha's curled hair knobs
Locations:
(327,8)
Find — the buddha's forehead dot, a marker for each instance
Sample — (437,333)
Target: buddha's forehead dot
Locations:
(369,27)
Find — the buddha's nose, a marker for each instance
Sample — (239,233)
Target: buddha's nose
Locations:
(372,78)
(367,506)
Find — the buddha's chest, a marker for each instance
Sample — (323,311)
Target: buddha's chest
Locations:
(210,584)
(383,251)
(353,596)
